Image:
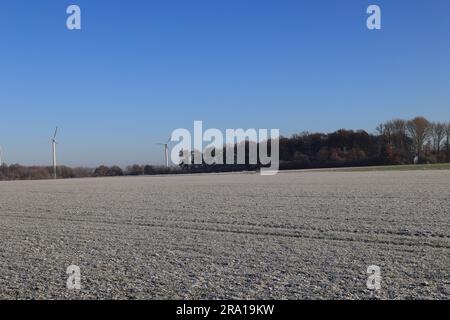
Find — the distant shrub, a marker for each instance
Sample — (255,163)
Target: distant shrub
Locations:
(135,170)
(102,171)
(116,171)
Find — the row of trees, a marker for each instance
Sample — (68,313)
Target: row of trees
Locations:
(134,170)
(19,172)
(394,142)
(419,138)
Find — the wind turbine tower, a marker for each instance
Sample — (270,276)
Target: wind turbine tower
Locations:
(54,152)
(166,152)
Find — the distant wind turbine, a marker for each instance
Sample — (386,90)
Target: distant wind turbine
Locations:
(1,156)
(166,152)
(54,152)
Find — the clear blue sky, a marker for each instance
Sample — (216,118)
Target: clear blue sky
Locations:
(139,69)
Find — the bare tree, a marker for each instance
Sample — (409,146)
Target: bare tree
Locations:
(437,135)
(399,126)
(396,127)
(387,130)
(419,131)
(447,137)
(379,129)
(400,135)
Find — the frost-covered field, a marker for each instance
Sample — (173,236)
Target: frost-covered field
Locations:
(295,235)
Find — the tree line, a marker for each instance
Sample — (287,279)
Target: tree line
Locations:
(394,142)
(19,172)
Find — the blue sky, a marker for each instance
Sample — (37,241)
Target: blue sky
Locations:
(139,69)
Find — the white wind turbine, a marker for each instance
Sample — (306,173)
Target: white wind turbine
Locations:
(54,152)
(166,152)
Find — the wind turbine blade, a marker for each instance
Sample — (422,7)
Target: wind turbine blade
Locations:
(56,132)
